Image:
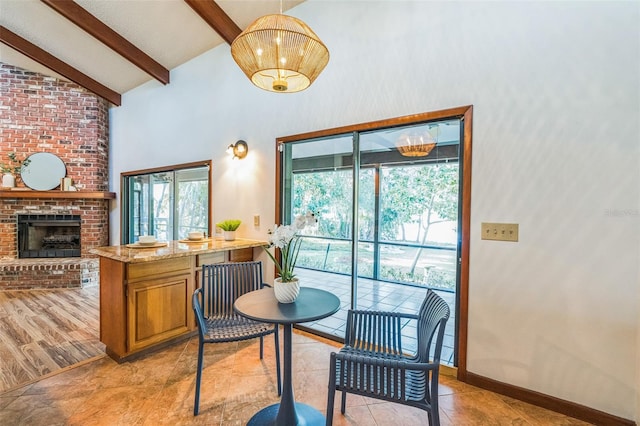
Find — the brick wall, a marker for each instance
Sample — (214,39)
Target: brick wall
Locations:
(43,114)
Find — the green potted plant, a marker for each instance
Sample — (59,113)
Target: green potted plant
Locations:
(229,228)
(12,168)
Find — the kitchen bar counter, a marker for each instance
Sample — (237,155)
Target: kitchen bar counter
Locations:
(173,249)
(145,293)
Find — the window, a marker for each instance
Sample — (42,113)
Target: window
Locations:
(392,198)
(168,202)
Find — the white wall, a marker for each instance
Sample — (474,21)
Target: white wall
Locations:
(556,94)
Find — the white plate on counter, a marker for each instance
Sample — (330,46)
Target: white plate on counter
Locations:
(201,240)
(151,245)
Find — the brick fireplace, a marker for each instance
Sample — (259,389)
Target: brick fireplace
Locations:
(48,235)
(44,114)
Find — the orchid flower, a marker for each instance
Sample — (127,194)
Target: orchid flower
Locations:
(286,238)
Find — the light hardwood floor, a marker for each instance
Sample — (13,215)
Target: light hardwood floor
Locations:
(158,389)
(43,331)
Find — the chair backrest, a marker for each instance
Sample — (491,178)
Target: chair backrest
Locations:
(432,318)
(223,283)
(375,331)
(196,301)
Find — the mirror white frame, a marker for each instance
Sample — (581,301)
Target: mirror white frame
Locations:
(43,172)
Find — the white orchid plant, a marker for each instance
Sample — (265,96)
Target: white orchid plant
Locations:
(286,238)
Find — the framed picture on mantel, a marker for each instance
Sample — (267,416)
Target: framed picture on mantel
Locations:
(65,184)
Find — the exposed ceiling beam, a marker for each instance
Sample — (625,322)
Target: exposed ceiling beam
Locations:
(48,60)
(216,18)
(98,29)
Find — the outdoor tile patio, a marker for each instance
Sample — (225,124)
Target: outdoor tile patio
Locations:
(376,295)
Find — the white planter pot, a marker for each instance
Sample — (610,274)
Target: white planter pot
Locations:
(286,292)
(8,180)
(229,235)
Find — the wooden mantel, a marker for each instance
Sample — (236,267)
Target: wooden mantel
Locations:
(57,194)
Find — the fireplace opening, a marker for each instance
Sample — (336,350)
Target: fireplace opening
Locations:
(48,235)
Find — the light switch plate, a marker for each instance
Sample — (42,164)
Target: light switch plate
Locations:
(500,231)
(256,220)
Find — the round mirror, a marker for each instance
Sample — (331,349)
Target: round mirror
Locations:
(43,172)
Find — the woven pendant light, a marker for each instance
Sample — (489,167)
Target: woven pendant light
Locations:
(280,53)
(415,145)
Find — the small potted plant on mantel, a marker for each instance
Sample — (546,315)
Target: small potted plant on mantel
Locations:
(11,169)
(229,228)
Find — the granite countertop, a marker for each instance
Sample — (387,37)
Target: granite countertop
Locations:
(132,253)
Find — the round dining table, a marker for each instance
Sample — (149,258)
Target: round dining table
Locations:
(312,304)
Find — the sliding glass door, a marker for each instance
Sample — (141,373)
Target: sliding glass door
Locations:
(318,177)
(388,203)
(409,207)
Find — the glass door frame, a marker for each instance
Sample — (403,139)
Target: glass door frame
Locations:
(465,115)
(125,193)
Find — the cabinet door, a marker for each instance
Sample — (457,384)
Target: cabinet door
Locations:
(157,310)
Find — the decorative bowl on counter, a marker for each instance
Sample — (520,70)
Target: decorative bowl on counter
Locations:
(196,235)
(147,240)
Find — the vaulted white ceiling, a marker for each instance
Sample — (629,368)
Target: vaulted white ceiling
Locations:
(170,32)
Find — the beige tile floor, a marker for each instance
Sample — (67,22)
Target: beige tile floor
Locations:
(158,390)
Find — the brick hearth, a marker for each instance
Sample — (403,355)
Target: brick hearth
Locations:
(44,114)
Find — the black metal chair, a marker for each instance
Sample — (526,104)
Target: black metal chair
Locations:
(372,362)
(217,322)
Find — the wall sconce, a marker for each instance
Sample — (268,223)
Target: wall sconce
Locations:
(238,150)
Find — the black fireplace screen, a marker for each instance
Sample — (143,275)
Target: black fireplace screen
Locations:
(48,235)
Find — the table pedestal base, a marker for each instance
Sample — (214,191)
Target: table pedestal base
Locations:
(307,416)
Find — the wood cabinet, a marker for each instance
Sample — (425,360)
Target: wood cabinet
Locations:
(146,305)
(158,301)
